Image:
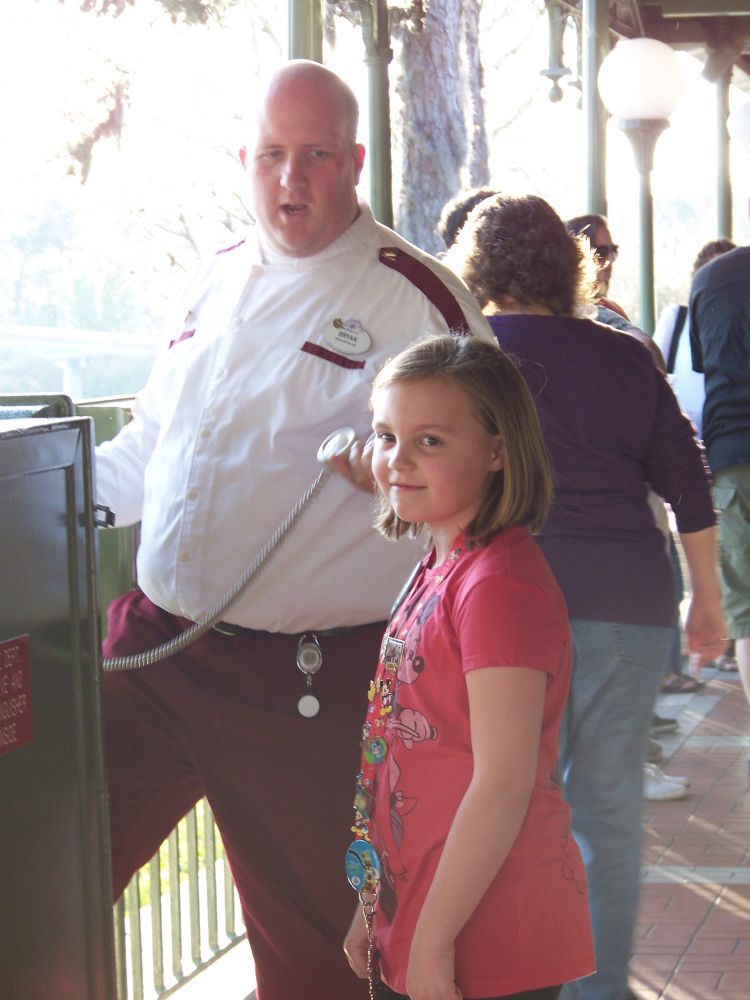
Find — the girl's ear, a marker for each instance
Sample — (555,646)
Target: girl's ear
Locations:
(497,457)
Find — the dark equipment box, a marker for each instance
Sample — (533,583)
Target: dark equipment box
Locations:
(56,931)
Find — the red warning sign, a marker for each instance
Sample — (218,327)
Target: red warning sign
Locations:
(15,694)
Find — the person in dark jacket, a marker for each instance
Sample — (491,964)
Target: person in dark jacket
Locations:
(720,343)
(613,428)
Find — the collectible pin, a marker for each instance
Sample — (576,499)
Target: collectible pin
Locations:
(362,866)
(393,651)
(375,750)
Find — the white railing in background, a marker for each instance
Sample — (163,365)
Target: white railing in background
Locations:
(179,913)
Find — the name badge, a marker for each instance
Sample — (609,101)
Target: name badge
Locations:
(347,336)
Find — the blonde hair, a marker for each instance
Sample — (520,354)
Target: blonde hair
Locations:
(519,493)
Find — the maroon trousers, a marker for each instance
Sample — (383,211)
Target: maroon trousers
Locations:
(219,719)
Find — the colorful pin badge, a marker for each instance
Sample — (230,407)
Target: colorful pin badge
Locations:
(362,866)
(375,750)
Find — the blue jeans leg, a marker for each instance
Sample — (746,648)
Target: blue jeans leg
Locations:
(616,674)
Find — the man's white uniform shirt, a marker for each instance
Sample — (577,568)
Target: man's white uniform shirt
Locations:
(225,432)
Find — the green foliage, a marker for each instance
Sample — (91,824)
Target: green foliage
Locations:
(116,96)
(114,101)
(188,11)
(50,278)
(46,230)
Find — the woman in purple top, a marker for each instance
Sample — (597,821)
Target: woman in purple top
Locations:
(613,427)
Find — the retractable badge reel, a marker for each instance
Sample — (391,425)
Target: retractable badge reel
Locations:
(309,653)
(309,661)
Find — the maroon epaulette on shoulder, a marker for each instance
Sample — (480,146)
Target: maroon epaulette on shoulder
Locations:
(429,284)
(233,247)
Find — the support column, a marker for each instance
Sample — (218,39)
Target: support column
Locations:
(594,47)
(723,179)
(305,39)
(643,133)
(377,38)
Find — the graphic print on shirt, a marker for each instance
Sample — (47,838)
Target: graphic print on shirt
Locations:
(406,727)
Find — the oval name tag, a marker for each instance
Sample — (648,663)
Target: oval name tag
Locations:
(347,336)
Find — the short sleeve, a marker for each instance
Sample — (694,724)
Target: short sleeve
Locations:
(505,621)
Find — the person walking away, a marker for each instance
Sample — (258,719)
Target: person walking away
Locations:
(613,430)
(720,342)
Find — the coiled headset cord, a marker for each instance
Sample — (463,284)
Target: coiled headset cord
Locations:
(335,444)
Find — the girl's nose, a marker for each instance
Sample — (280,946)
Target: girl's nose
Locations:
(400,456)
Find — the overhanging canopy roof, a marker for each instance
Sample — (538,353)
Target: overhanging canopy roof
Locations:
(715,31)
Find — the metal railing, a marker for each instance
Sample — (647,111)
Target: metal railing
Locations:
(179,913)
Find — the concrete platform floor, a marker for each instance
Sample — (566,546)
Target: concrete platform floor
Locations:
(693,936)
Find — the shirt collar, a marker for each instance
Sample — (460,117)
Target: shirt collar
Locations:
(359,232)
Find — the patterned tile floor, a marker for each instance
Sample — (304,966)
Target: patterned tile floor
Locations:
(693,935)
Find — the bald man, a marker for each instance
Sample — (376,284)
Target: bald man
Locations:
(272,344)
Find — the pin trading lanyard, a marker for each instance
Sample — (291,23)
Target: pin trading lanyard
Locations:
(362,864)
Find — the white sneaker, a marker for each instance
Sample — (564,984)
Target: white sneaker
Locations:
(657,786)
(661,776)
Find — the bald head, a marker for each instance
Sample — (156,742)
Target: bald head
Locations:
(302,76)
(305,161)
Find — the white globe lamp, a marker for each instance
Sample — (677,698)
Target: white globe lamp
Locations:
(640,83)
(641,78)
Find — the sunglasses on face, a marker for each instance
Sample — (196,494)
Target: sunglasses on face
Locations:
(606,251)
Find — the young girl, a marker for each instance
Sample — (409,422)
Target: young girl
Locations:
(461,827)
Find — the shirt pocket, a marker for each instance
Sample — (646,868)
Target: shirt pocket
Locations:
(318,351)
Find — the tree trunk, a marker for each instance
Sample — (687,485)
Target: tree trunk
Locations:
(439,133)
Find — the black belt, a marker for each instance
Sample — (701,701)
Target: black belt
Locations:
(240,631)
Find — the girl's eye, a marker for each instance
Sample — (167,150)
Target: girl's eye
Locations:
(430,441)
(385,436)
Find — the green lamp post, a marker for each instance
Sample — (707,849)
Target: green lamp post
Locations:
(640,84)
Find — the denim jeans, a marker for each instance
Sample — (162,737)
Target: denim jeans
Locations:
(603,739)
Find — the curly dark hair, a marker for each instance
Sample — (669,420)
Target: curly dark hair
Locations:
(714,248)
(456,211)
(519,248)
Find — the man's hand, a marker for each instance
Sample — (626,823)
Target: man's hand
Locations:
(356,464)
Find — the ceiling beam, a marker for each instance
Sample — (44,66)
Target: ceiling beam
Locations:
(699,8)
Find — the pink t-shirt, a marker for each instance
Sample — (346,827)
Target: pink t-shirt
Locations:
(493,606)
